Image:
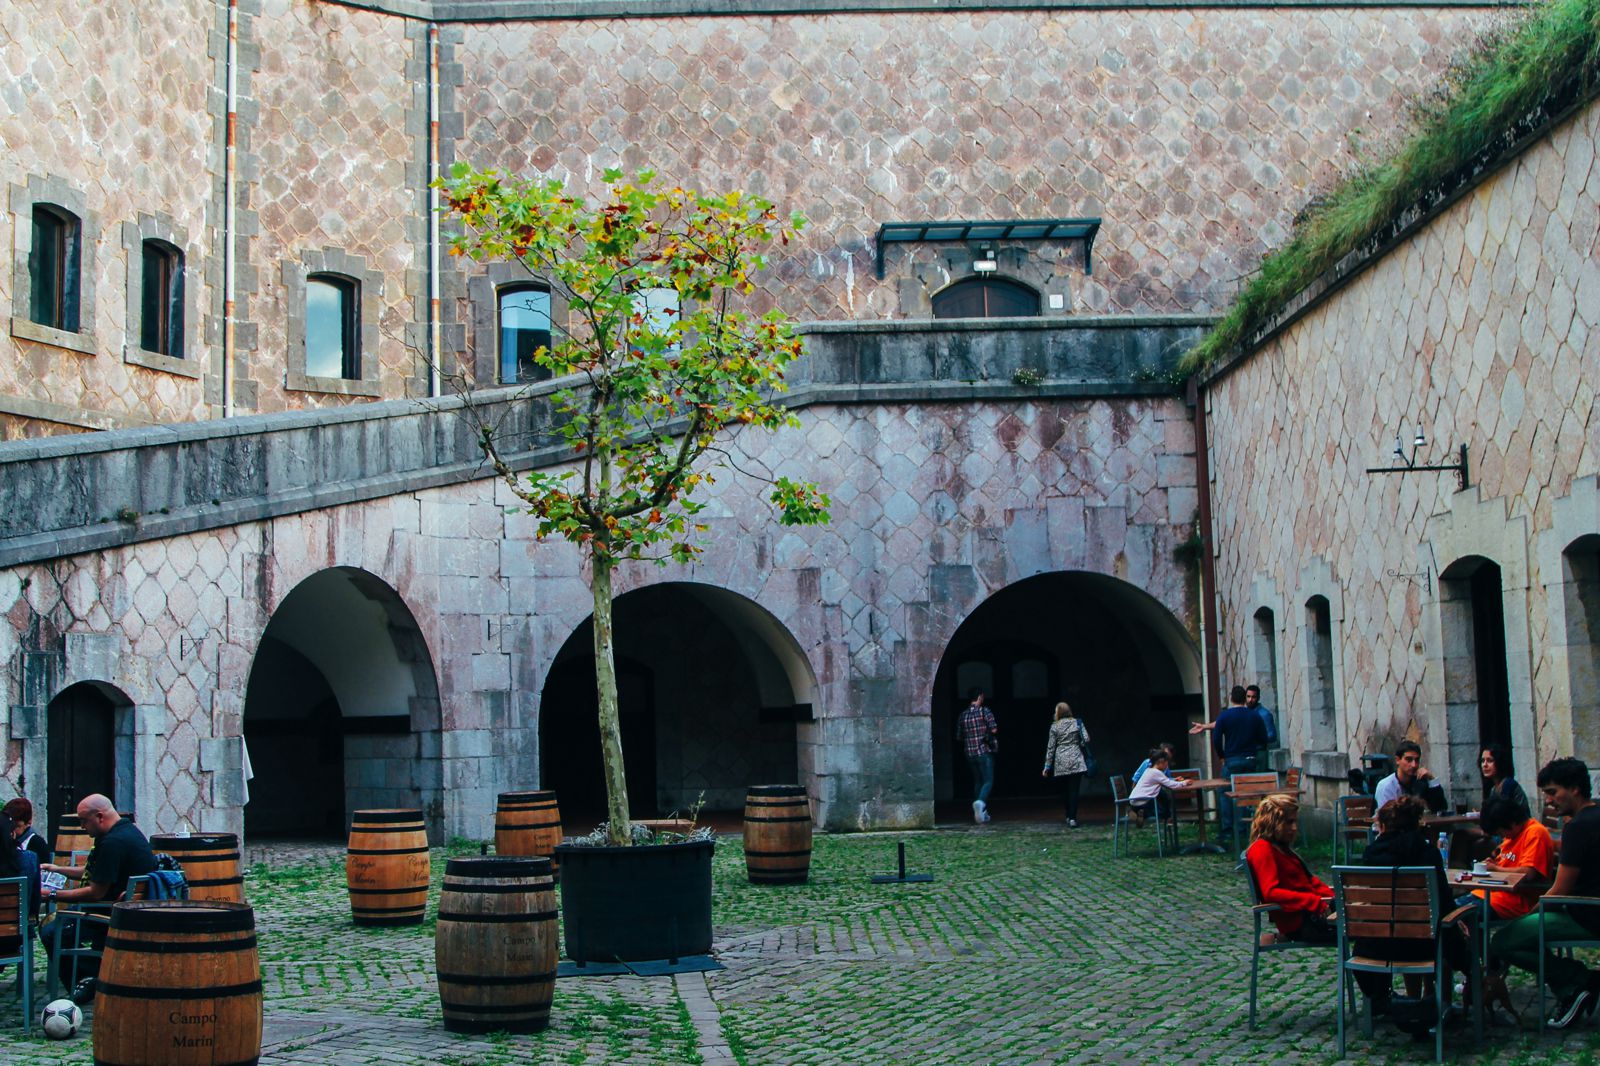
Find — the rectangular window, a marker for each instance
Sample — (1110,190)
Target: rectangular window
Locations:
(524,329)
(161,310)
(53,269)
(331,347)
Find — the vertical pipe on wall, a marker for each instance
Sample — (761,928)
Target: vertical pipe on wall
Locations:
(1208,577)
(229,220)
(435,325)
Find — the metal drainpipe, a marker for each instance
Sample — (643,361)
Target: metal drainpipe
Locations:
(435,325)
(1208,577)
(229,220)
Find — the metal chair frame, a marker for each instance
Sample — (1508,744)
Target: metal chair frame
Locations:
(23,959)
(1548,944)
(1259,911)
(1257,785)
(1344,830)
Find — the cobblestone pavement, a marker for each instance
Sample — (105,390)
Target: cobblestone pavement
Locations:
(1032,945)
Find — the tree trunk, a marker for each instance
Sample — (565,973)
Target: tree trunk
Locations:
(605,679)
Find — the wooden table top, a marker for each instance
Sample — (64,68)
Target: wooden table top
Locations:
(1440,820)
(1498,881)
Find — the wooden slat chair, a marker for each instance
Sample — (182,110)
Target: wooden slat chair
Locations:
(1291,780)
(1261,912)
(1187,802)
(1351,823)
(16,895)
(74,939)
(1400,903)
(1549,943)
(1246,791)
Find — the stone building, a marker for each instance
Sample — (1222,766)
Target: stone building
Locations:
(284,554)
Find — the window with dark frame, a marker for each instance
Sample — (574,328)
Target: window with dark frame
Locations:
(983,297)
(332,347)
(53,268)
(524,328)
(161,300)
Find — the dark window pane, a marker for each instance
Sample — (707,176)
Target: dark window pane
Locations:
(161,303)
(524,329)
(53,269)
(986,298)
(330,328)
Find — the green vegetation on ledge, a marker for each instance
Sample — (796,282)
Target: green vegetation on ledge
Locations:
(1551,54)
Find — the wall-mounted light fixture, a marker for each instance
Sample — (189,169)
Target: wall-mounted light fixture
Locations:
(985,263)
(1406,464)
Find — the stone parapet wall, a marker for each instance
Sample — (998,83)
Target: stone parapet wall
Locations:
(1484,327)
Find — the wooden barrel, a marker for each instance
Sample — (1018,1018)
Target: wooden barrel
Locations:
(71,837)
(210,864)
(180,985)
(777,834)
(386,867)
(495,944)
(527,823)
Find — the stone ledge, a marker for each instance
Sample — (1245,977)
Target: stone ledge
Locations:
(27,330)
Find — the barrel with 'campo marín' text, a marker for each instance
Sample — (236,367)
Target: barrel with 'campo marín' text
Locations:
(495,944)
(386,867)
(527,823)
(180,985)
(210,864)
(777,834)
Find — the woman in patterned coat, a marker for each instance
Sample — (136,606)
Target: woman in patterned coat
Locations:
(1063,758)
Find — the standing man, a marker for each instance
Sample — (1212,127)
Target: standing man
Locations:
(1411,778)
(120,851)
(1235,741)
(1565,784)
(978,729)
(1269,726)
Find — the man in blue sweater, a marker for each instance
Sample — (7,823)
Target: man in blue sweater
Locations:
(1234,741)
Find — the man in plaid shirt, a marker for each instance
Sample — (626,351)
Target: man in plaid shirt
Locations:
(977,729)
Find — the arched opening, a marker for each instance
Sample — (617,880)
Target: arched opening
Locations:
(711,689)
(1581,601)
(986,297)
(86,735)
(341,695)
(1476,689)
(1322,697)
(1112,651)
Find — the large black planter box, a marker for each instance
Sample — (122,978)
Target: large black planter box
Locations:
(646,902)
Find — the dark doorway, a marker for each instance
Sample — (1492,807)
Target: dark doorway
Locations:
(1489,656)
(82,749)
(1105,647)
(292,730)
(570,723)
(986,298)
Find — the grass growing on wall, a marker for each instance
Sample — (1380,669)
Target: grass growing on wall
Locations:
(1509,75)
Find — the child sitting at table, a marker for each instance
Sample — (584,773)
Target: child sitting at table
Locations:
(1305,901)
(1148,794)
(1526,847)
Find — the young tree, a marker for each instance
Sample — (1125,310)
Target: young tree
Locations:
(671,368)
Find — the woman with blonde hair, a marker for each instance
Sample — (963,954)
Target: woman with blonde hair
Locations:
(1305,902)
(1064,758)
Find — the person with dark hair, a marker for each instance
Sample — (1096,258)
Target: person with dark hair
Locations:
(1172,756)
(977,730)
(1282,877)
(1269,727)
(1566,787)
(1401,842)
(1410,778)
(20,811)
(1235,741)
(1525,847)
(1495,763)
(1149,795)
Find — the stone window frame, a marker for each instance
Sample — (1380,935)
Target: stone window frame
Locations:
(483,295)
(161,227)
(51,191)
(368,307)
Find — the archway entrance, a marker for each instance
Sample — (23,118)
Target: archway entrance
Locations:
(341,693)
(1477,690)
(1109,649)
(711,690)
(82,749)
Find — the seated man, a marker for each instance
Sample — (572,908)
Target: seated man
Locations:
(1525,847)
(1411,778)
(120,851)
(1147,795)
(1566,788)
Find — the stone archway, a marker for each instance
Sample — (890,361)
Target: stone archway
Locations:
(715,695)
(1116,654)
(89,749)
(342,709)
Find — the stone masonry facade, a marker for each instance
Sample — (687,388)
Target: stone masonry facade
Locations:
(1485,327)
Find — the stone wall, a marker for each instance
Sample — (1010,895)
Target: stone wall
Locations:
(1485,327)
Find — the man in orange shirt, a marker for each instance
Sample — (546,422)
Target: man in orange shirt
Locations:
(1526,846)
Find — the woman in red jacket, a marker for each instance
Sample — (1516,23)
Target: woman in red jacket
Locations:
(1283,877)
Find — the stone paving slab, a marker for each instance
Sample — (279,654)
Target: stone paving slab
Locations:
(1032,945)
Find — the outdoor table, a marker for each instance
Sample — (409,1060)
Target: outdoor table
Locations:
(1490,883)
(1200,786)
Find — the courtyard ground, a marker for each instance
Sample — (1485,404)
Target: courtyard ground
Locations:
(1032,945)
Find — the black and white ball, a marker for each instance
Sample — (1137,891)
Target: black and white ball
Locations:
(61,1019)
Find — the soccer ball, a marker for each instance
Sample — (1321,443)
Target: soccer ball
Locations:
(61,1019)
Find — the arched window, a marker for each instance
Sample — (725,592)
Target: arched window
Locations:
(1323,713)
(53,267)
(524,329)
(332,345)
(985,297)
(161,304)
